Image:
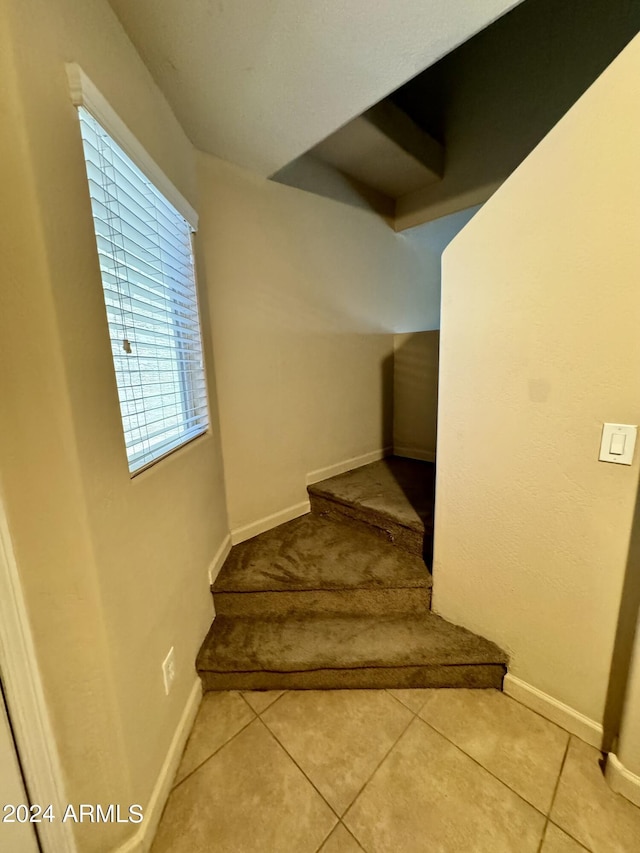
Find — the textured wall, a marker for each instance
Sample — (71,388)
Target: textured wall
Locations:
(629,746)
(305,294)
(415,394)
(114,569)
(539,346)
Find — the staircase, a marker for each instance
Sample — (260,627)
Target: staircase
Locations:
(340,598)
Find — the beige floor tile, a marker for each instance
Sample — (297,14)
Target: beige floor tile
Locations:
(261,699)
(248,797)
(517,745)
(557,841)
(427,795)
(340,841)
(220,717)
(586,807)
(414,699)
(338,737)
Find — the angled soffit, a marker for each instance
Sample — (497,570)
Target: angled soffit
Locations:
(259,82)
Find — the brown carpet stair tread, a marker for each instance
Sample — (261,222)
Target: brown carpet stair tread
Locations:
(297,644)
(314,553)
(396,489)
(340,598)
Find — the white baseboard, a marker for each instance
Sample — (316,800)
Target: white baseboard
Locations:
(621,780)
(415,453)
(555,711)
(347,465)
(240,534)
(248,531)
(142,840)
(221,555)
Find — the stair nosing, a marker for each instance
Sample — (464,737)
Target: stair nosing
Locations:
(387,516)
(303,589)
(451,664)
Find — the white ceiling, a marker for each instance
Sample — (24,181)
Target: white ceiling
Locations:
(258,82)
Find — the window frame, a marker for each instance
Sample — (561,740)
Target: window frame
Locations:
(85,94)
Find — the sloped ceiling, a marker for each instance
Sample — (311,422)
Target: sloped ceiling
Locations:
(259,82)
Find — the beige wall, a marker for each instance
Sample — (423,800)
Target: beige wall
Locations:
(627,660)
(305,294)
(415,394)
(539,346)
(628,749)
(504,89)
(415,383)
(114,569)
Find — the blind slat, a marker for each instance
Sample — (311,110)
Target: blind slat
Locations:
(138,307)
(148,290)
(107,163)
(107,210)
(140,458)
(127,287)
(155,271)
(120,256)
(148,279)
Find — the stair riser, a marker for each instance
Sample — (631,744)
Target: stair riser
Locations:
(364,602)
(478,676)
(409,540)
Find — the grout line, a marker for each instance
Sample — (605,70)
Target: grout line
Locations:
(555,791)
(481,766)
(352,835)
(240,694)
(557,785)
(415,713)
(275,701)
(562,829)
(543,836)
(347,830)
(382,760)
(542,717)
(368,779)
(311,782)
(326,838)
(222,745)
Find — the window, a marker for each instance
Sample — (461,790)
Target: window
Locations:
(148,278)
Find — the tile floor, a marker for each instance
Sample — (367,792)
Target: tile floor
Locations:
(388,771)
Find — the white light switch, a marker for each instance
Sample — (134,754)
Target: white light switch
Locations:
(618,443)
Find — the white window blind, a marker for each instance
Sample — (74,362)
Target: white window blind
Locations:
(148,278)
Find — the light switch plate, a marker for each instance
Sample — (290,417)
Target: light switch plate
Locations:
(618,443)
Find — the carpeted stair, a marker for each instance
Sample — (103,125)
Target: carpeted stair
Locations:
(395,497)
(317,565)
(340,597)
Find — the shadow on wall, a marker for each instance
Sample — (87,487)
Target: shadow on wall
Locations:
(415,379)
(388,396)
(625,638)
(310,174)
(415,394)
(409,378)
(494,98)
